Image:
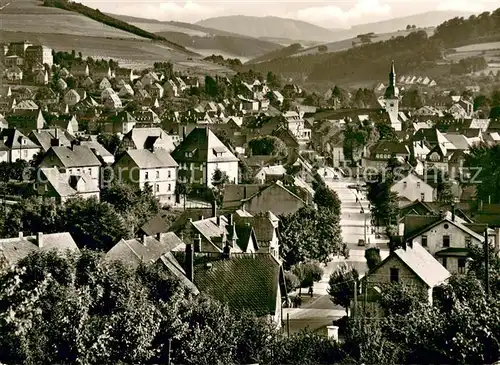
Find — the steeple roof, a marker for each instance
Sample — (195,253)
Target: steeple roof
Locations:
(392,91)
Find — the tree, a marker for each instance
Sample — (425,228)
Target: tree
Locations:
(286,105)
(219,181)
(307,274)
(110,142)
(413,99)
(398,298)
(444,192)
(322,48)
(267,146)
(327,198)
(495,112)
(484,171)
(292,282)
(372,256)
(211,88)
(311,234)
(273,81)
(383,201)
(341,285)
(93,224)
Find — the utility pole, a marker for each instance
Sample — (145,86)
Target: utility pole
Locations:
(169,351)
(354,310)
(288,324)
(487,262)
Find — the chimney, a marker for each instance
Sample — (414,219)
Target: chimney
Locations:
(410,243)
(219,221)
(39,239)
(453,212)
(230,219)
(183,132)
(197,243)
(144,237)
(333,332)
(158,236)
(21,235)
(189,262)
(226,253)
(214,209)
(202,217)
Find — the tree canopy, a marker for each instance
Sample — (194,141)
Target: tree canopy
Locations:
(267,146)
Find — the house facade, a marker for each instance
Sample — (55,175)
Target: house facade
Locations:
(412,188)
(200,154)
(156,169)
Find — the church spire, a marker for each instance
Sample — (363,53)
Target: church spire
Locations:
(392,75)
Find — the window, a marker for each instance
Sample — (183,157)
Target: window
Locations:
(169,187)
(445,262)
(157,188)
(422,196)
(146,175)
(394,275)
(90,172)
(169,173)
(405,184)
(446,226)
(461,265)
(25,152)
(157,174)
(446,241)
(424,241)
(418,184)
(77,171)
(468,241)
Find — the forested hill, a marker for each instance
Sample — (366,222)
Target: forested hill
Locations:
(361,63)
(415,52)
(96,15)
(458,32)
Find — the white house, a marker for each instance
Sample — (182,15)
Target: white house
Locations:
(414,188)
(156,169)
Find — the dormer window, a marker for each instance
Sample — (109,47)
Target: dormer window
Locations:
(405,184)
(418,184)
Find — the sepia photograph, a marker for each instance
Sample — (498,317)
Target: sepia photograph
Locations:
(222,182)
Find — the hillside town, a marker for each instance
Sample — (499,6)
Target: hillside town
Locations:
(155,216)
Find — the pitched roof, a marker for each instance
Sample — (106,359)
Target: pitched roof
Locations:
(234,194)
(146,138)
(204,146)
(390,147)
(146,159)
(423,264)
(15,249)
(76,156)
(243,282)
(145,249)
(12,138)
(68,186)
(99,149)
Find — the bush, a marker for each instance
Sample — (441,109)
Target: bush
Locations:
(291,281)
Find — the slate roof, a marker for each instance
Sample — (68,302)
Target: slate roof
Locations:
(146,159)
(423,264)
(78,156)
(169,262)
(145,249)
(145,138)
(99,148)
(243,282)
(235,193)
(193,214)
(390,147)
(12,250)
(67,186)
(205,147)
(13,138)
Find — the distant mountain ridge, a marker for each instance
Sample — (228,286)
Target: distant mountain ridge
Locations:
(269,27)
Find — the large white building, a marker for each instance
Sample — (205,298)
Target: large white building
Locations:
(200,154)
(392,98)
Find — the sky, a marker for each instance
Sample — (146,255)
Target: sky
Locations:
(329,14)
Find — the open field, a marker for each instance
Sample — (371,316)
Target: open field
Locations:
(157,27)
(31,16)
(479,47)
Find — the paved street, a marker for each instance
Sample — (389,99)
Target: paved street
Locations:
(321,311)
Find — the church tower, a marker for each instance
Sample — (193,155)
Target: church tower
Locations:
(392,100)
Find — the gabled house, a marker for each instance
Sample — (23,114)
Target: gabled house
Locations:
(88,83)
(265,227)
(26,121)
(120,122)
(14,146)
(14,73)
(170,88)
(445,236)
(245,282)
(383,151)
(104,84)
(142,168)
(72,97)
(61,186)
(144,249)
(14,249)
(125,74)
(66,122)
(73,160)
(46,138)
(126,91)
(113,102)
(80,70)
(411,265)
(41,77)
(255,199)
(200,154)
(148,138)
(102,72)
(155,90)
(411,188)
